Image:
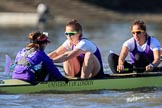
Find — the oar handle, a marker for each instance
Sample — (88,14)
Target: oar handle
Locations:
(141,68)
(133,69)
(126,69)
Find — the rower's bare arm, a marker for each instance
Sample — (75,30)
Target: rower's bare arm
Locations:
(122,56)
(60,50)
(67,55)
(160,52)
(156,60)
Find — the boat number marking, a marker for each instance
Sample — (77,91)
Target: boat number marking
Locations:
(71,83)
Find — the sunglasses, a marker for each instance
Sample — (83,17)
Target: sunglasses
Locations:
(70,33)
(137,32)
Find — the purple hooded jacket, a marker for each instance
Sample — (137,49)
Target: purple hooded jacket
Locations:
(35,59)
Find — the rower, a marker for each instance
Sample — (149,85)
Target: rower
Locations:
(32,63)
(144,51)
(80,57)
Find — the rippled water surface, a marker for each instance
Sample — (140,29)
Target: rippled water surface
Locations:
(108,36)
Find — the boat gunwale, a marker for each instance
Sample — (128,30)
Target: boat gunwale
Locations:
(106,77)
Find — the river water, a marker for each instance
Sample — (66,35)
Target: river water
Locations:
(108,36)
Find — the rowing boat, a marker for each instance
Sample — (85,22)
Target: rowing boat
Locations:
(127,81)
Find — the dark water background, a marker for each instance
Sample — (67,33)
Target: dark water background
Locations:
(108,36)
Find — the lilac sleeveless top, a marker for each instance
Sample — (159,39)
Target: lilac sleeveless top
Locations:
(147,52)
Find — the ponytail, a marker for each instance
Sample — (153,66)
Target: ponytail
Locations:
(37,39)
(32,37)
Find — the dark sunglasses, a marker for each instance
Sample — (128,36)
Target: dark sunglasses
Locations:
(137,32)
(70,33)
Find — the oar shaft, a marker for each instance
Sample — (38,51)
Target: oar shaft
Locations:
(135,74)
(59,66)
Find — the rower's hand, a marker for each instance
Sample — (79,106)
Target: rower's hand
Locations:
(149,68)
(120,68)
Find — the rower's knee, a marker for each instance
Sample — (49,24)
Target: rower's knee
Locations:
(88,56)
(71,67)
(112,57)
